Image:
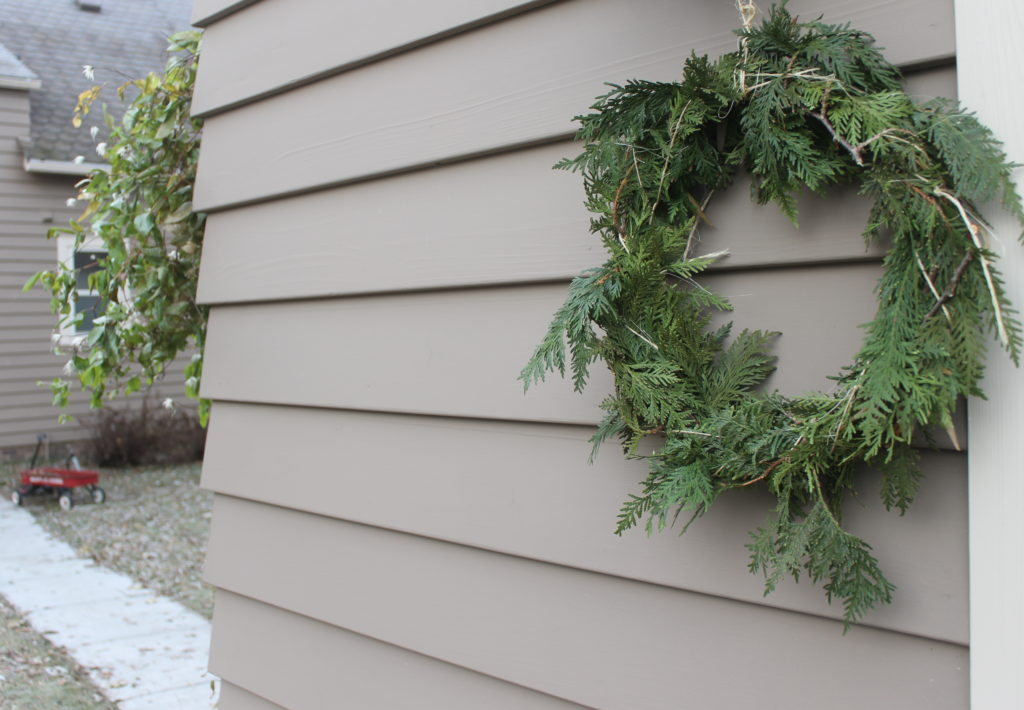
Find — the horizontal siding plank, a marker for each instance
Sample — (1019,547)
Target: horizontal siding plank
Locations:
(28,225)
(205,12)
(29,320)
(446,101)
(28,241)
(16,301)
(16,281)
(560,631)
(13,171)
(14,101)
(27,267)
(43,406)
(459,352)
(45,417)
(519,493)
(18,386)
(56,195)
(39,334)
(299,662)
(45,252)
(38,399)
(16,389)
(233,697)
(46,368)
(518,221)
(277,36)
(66,433)
(31,200)
(17,346)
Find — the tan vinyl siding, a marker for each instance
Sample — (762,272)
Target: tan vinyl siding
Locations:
(232,697)
(359,239)
(459,352)
(275,36)
(517,219)
(300,662)
(524,475)
(593,639)
(547,67)
(389,502)
(205,12)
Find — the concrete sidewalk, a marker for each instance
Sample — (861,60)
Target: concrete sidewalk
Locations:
(143,651)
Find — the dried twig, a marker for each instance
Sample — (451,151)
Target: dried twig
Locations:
(950,291)
(642,337)
(939,303)
(668,157)
(615,214)
(767,472)
(854,150)
(696,223)
(850,148)
(973,229)
(748,11)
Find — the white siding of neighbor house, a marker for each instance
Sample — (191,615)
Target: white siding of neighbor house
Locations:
(396,524)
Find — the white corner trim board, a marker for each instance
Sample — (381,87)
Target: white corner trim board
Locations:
(988,70)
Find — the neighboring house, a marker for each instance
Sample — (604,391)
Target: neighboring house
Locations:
(396,525)
(44,45)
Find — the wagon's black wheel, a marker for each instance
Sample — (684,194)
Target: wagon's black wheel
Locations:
(98,494)
(17,498)
(65,501)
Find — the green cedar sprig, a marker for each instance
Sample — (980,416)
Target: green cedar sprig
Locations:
(804,106)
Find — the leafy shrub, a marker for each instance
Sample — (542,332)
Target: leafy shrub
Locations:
(139,211)
(147,435)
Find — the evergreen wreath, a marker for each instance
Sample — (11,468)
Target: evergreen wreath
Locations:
(800,106)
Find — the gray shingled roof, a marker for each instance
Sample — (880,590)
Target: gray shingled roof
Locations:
(54,38)
(13,70)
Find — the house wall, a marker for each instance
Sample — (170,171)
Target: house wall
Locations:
(31,203)
(396,524)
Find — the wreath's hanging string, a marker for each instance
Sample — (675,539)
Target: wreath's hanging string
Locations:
(748,11)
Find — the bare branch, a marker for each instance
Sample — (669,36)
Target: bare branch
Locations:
(950,291)
(973,229)
(939,303)
(851,149)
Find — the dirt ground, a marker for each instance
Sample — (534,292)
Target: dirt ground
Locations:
(34,674)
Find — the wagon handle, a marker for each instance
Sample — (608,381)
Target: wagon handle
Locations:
(40,438)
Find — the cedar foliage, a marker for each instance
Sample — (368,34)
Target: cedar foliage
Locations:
(801,106)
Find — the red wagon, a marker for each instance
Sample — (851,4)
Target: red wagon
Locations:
(61,482)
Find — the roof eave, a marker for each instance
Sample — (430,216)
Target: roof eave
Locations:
(20,82)
(61,167)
